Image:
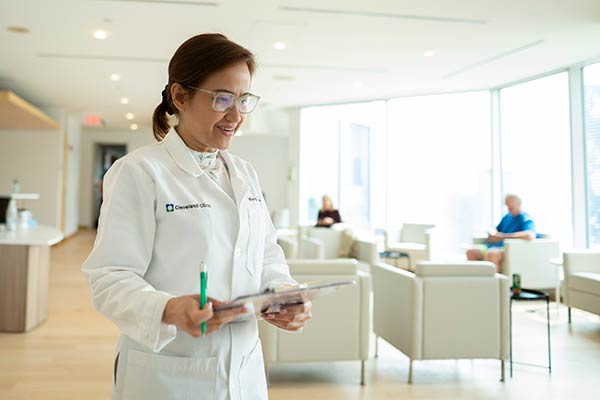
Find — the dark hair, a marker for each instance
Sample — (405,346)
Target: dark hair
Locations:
(193,62)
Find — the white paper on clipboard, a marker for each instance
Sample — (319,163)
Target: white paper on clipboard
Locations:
(271,300)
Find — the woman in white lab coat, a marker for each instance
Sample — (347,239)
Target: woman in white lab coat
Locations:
(167,207)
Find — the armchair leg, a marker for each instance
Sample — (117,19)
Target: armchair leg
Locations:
(502,371)
(410,372)
(376,346)
(362,372)
(569,315)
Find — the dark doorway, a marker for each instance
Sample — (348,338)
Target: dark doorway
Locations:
(105,156)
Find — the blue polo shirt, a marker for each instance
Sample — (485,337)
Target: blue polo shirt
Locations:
(510,224)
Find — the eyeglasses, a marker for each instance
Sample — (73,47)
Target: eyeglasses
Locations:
(225,101)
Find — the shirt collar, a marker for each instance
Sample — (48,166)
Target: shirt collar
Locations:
(184,158)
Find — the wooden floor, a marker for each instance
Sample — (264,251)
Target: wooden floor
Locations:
(70,356)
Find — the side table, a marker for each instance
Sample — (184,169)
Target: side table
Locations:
(395,255)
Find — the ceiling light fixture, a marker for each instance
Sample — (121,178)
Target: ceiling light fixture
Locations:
(124,100)
(239,133)
(100,34)
(429,53)
(129,116)
(133,127)
(115,77)
(18,29)
(357,84)
(279,45)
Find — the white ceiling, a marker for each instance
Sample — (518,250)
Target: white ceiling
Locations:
(331,44)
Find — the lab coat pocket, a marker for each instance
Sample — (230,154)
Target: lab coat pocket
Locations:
(256,239)
(153,376)
(252,375)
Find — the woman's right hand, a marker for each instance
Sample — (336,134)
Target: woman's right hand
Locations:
(185,313)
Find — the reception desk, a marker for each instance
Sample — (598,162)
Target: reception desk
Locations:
(24,268)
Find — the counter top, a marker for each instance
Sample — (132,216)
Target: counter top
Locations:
(40,236)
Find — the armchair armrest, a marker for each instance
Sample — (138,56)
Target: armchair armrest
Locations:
(397,308)
(366,251)
(289,247)
(581,261)
(311,248)
(428,235)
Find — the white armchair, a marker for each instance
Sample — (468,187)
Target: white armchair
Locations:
(335,243)
(531,260)
(347,311)
(324,243)
(289,247)
(413,240)
(582,281)
(444,311)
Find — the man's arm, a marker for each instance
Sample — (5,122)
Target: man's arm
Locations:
(525,235)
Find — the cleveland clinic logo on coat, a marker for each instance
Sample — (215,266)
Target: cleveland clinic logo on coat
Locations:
(176,207)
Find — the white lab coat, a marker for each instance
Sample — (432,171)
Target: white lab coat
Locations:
(145,254)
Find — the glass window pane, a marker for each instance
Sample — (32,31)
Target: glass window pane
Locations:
(439,166)
(591,83)
(338,157)
(536,152)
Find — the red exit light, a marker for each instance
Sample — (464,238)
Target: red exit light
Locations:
(92,120)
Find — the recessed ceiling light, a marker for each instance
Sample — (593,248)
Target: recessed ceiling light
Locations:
(279,45)
(429,53)
(357,84)
(100,34)
(133,127)
(124,100)
(129,116)
(17,29)
(115,77)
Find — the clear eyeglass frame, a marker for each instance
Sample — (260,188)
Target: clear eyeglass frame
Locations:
(246,103)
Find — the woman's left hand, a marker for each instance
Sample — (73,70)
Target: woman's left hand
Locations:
(292,317)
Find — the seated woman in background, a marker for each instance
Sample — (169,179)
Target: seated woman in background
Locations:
(328,215)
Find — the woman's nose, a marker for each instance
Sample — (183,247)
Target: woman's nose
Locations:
(234,114)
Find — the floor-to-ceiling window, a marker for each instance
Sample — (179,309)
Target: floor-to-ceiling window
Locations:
(439,160)
(536,151)
(340,153)
(591,82)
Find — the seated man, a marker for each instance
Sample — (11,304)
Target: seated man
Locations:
(514,225)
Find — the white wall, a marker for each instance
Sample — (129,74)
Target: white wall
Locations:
(268,155)
(35,159)
(89,138)
(291,120)
(273,170)
(277,169)
(71,210)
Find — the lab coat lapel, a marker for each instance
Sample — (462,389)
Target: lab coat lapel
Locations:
(239,180)
(181,154)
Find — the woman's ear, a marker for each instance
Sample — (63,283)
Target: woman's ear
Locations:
(178,96)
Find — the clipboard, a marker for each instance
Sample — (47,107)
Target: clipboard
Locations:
(272,299)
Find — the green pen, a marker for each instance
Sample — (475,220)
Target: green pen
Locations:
(203,297)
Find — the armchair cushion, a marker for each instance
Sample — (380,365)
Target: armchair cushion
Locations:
(340,266)
(585,282)
(471,268)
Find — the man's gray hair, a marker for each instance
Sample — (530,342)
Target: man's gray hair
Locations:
(512,196)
